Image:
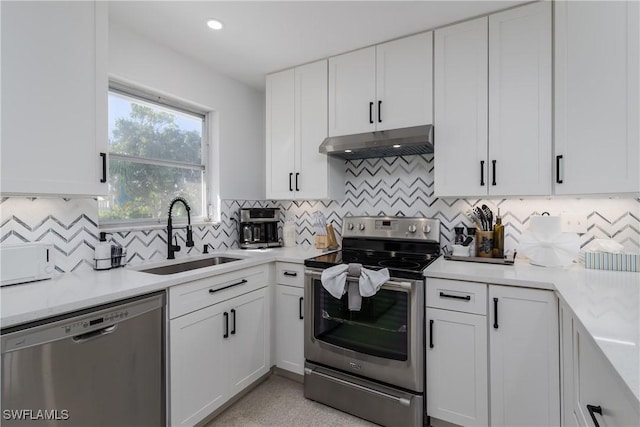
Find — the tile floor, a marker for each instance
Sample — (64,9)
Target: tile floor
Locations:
(280,402)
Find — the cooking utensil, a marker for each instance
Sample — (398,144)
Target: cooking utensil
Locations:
(474,218)
(482,218)
(489,216)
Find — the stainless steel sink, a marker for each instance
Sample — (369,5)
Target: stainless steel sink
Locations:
(190,265)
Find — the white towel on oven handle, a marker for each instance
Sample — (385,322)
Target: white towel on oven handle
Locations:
(371,280)
(334,280)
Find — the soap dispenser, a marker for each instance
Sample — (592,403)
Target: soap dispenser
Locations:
(102,254)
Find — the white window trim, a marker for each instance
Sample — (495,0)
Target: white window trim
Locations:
(210,167)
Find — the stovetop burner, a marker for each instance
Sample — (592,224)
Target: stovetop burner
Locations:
(404,245)
(399,264)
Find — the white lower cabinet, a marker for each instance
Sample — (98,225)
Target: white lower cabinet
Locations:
(289,334)
(198,375)
(524,357)
(498,367)
(290,328)
(594,395)
(457,367)
(215,352)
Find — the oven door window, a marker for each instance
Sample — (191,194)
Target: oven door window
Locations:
(378,329)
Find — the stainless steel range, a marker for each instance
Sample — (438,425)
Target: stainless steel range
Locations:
(371,362)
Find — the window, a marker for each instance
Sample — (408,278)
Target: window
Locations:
(157,151)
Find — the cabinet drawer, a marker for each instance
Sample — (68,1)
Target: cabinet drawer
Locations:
(198,294)
(288,273)
(468,297)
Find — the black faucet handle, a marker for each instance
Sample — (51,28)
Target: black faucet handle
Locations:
(176,247)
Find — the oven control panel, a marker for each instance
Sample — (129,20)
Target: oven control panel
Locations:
(412,228)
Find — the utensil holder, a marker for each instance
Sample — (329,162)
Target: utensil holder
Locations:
(114,261)
(322,242)
(484,243)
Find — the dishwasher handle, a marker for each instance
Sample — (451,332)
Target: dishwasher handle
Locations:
(82,338)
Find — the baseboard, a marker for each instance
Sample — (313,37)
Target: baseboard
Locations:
(288,374)
(235,398)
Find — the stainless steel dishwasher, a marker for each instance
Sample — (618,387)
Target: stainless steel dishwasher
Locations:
(102,366)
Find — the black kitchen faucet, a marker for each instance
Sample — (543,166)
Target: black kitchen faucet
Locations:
(172,249)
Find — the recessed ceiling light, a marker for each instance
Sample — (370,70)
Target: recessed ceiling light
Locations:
(347,151)
(397,146)
(214,24)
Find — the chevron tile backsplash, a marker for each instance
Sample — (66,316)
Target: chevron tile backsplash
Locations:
(386,186)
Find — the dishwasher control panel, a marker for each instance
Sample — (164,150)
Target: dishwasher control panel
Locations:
(91,323)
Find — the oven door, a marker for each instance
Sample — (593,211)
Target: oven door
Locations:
(383,341)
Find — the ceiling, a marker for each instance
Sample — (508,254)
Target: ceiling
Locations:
(260,37)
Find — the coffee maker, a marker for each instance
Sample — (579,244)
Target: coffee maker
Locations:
(259,228)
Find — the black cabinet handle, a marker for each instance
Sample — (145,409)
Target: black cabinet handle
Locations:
(241,282)
(104,167)
(558,158)
(493,165)
(482,173)
(371,112)
(226,325)
(495,313)
(300,316)
(594,410)
(233,331)
(290,273)
(379,112)
(430,333)
(290,186)
(297,175)
(466,297)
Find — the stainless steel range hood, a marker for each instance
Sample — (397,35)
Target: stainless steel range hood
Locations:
(385,143)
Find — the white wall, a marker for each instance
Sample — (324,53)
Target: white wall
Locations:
(239,108)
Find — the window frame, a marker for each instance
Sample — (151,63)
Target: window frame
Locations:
(143,96)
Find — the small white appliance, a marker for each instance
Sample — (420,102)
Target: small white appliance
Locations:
(25,263)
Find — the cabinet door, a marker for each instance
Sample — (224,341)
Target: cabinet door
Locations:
(198,372)
(524,362)
(460,112)
(311,172)
(290,328)
(280,136)
(596,97)
(54,97)
(569,418)
(596,384)
(520,101)
(404,80)
(457,389)
(247,357)
(352,92)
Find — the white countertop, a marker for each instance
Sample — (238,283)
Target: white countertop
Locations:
(606,303)
(75,291)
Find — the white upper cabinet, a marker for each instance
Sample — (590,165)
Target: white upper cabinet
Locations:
(520,100)
(317,176)
(493,105)
(381,87)
(461,109)
(404,82)
(54,98)
(352,92)
(280,122)
(296,125)
(596,97)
